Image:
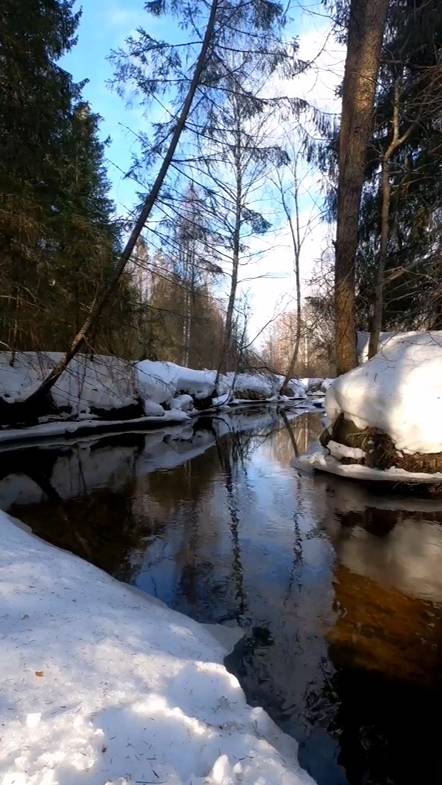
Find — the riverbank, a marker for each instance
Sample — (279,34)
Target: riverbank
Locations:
(108,394)
(107,685)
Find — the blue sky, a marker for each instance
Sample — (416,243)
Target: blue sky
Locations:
(104,26)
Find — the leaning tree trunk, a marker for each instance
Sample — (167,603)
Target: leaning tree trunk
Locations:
(103,298)
(365,34)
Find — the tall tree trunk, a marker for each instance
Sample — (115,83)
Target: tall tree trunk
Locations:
(103,298)
(365,34)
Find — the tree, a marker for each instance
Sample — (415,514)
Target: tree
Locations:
(35,103)
(402,206)
(301,214)
(366,23)
(58,237)
(227,24)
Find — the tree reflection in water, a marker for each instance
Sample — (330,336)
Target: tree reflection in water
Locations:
(338,588)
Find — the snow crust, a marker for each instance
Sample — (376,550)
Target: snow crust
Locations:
(398,391)
(105,686)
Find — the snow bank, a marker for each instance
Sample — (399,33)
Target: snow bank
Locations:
(108,687)
(89,383)
(399,391)
(163,381)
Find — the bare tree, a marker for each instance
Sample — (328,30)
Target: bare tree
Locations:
(301,223)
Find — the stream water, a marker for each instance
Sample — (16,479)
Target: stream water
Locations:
(338,589)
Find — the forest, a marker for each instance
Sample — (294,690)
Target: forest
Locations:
(225,162)
(220,392)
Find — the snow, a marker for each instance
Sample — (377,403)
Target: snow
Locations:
(183,402)
(296,388)
(72,427)
(103,685)
(342,451)
(258,386)
(320,459)
(101,382)
(312,384)
(163,381)
(363,342)
(398,391)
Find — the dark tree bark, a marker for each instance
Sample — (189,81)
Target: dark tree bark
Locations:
(365,35)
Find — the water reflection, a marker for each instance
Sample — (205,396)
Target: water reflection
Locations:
(338,589)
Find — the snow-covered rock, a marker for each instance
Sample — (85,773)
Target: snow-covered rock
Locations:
(98,382)
(313,384)
(163,381)
(340,451)
(399,392)
(253,386)
(296,389)
(103,685)
(153,409)
(183,403)
(326,383)
(156,381)
(319,458)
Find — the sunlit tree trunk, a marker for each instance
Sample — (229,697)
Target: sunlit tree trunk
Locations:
(365,35)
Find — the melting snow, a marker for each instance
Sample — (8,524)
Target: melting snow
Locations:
(103,685)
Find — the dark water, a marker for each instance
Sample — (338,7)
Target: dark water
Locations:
(338,590)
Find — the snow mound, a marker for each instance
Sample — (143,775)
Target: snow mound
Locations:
(253,386)
(399,391)
(108,687)
(163,381)
(98,382)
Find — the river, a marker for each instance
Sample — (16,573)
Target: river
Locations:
(338,588)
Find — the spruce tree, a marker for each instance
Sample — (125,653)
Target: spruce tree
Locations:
(58,239)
